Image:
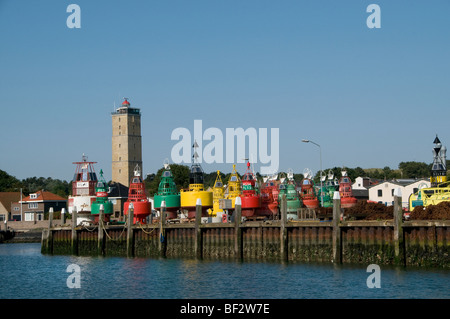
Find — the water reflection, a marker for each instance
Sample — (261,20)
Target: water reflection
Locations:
(20,249)
(33,275)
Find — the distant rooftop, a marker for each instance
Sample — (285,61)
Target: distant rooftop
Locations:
(41,196)
(401,182)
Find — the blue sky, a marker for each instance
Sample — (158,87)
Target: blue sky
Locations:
(313,69)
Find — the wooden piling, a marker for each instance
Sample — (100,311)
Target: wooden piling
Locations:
(283,230)
(162,244)
(237,229)
(337,243)
(63,216)
(50,218)
(50,234)
(198,249)
(100,232)
(43,240)
(130,232)
(399,249)
(74,243)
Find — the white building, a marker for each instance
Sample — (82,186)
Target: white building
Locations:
(384,191)
(361,183)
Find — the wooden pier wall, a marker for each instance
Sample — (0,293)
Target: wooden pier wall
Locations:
(391,242)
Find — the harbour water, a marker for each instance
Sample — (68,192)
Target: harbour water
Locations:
(27,274)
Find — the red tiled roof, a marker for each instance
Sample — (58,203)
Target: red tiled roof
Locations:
(6,198)
(44,196)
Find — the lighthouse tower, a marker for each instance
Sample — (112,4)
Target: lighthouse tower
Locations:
(126,143)
(439,167)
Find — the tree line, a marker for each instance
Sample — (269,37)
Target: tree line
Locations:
(406,170)
(30,185)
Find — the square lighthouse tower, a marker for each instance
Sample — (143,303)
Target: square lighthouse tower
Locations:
(126,143)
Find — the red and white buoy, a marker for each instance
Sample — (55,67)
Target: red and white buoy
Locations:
(137,199)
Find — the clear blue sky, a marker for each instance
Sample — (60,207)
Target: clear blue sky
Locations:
(313,69)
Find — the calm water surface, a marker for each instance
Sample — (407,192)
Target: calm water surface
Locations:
(26,273)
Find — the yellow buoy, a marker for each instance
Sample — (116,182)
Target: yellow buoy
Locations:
(234,186)
(189,197)
(218,193)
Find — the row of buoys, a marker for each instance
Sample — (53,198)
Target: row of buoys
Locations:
(256,200)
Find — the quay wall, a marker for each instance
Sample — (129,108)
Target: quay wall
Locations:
(388,242)
(426,243)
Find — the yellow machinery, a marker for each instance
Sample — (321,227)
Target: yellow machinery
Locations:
(430,195)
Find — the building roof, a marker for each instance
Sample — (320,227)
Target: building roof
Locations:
(6,198)
(401,182)
(42,196)
(360,193)
(117,190)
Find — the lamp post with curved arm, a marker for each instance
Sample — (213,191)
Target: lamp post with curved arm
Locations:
(320,150)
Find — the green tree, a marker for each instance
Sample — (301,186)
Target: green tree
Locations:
(29,185)
(390,174)
(9,183)
(180,176)
(415,169)
(55,186)
(359,172)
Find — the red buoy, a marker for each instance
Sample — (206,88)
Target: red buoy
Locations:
(138,198)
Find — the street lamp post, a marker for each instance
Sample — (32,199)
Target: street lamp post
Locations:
(320,151)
